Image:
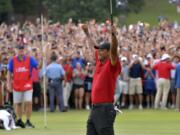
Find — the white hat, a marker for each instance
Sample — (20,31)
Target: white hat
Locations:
(130,27)
(165,56)
(149,55)
(135,56)
(123,59)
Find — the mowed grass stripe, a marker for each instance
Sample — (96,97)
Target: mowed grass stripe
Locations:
(148,122)
(135,122)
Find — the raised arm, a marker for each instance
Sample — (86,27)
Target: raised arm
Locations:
(113,47)
(86,31)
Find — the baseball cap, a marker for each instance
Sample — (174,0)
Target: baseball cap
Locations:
(165,56)
(149,56)
(20,46)
(123,59)
(135,56)
(103,45)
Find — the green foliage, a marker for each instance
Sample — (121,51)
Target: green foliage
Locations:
(83,9)
(5,9)
(25,7)
(5,6)
(86,9)
(62,10)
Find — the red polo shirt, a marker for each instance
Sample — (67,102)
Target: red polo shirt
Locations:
(163,69)
(69,71)
(104,81)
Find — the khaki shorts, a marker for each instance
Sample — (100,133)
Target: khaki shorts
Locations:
(135,86)
(20,97)
(124,87)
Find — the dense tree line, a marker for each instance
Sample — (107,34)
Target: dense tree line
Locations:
(62,10)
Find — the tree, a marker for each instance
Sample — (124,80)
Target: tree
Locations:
(25,9)
(62,10)
(5,9)
(86,9)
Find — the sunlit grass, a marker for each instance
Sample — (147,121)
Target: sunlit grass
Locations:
(153,9)
(135,122)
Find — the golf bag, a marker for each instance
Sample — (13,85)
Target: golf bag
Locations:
(7,117)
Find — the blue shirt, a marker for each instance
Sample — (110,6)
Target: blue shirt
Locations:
(54,71)
(78,60)
(149,81)
(177,76)
(33,64)
(149,77)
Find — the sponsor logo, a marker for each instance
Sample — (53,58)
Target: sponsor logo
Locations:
(21,69)
(27,85)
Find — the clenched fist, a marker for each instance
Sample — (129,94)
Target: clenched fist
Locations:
(85,29)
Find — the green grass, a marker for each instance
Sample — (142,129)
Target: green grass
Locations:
(153,9)
(146,122)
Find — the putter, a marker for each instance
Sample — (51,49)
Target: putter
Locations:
(111,12)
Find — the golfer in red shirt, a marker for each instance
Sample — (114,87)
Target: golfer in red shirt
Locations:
(107,69)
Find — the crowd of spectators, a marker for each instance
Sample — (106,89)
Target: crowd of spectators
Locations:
(141,47)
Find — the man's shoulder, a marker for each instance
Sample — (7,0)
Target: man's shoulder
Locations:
(13,57)
(31,57)
(10,63)
(54,65)
(178,66)
(51,64)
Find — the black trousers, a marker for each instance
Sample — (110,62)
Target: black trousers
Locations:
(101,120)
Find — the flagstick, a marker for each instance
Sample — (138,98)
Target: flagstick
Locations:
(44,76)
(111,12)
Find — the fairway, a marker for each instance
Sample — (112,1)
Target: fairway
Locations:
(135,122)
(151,10)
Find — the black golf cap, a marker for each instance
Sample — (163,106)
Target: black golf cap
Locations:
(103,45)
(20,46)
